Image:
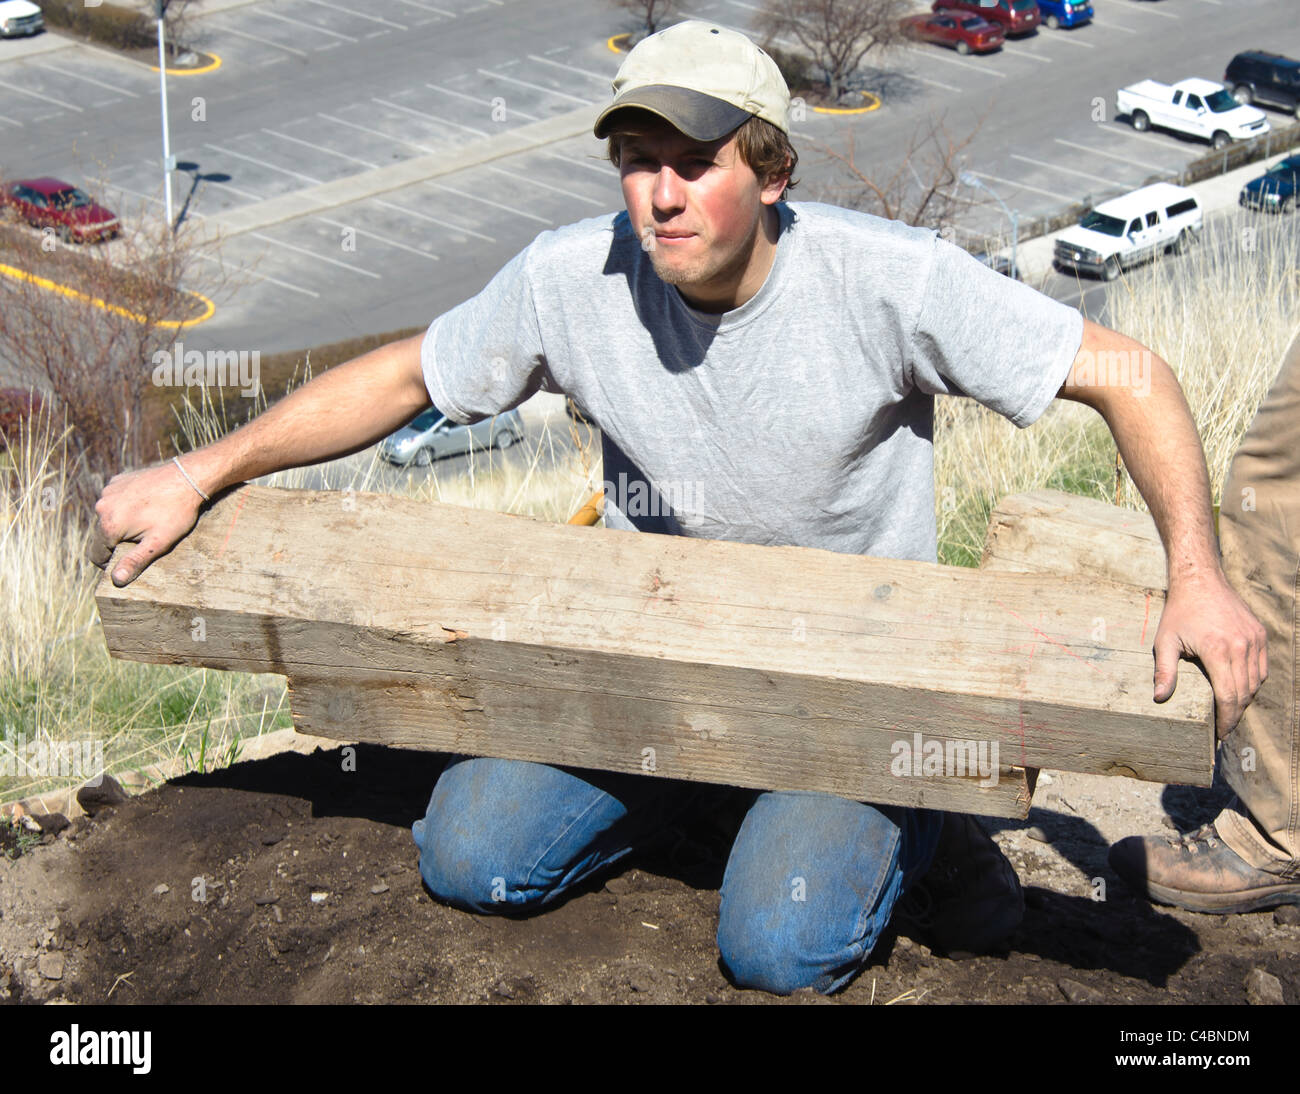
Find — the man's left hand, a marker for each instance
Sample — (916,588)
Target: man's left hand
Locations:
(1205,618)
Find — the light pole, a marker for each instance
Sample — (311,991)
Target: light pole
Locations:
(169,161)
(970,179)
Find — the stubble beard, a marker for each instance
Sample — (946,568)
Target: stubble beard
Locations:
(703,271)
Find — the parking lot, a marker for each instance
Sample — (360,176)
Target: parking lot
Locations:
(312,93)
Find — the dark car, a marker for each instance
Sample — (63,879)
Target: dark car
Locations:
(963,32)
(1275,190)
(1013,16)
(51,203)
(1268,79)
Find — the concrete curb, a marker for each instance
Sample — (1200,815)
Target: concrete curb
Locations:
(329,195)
(137,782)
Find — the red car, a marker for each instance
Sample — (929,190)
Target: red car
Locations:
(1013,16)
(50,203)
(964,32)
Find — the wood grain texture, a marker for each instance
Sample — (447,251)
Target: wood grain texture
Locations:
(455,629)
(1050,532)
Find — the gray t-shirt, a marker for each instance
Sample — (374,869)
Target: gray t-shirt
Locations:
(803,417)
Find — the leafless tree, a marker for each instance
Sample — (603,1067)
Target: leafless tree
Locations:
(922,187)
(83,324)
(652,13)
(835,34)
(178,24)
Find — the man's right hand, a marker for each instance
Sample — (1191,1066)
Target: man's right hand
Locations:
(154,508)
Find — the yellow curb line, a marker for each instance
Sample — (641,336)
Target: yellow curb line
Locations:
(873,105)
(216,63)
(617,38)
(171,324)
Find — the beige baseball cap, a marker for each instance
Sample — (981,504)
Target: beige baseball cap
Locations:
(703,79)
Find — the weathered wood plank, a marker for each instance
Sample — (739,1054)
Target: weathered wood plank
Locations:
(783,667)
(1050,532)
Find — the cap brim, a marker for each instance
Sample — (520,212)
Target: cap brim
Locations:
(701,117)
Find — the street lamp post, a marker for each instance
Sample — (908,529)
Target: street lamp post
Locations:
(971,179)
(169,161)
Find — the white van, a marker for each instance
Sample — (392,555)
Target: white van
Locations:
(1131,229)
(19,17)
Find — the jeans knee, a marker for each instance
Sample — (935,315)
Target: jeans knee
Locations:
(460,871)
(754,962)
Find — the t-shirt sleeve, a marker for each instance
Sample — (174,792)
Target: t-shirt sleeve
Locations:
(981,334)
(485,356)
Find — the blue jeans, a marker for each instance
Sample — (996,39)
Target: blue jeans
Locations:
(810,884)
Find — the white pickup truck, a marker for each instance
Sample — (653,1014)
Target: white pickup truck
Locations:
(18,17)
(1201,108)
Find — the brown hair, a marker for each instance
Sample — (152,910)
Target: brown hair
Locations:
(762,146)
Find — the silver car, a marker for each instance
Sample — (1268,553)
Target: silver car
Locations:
(431,435)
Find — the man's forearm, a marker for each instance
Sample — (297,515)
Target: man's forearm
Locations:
(341,411)
(1140,398)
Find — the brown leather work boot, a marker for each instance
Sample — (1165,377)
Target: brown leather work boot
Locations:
(970,900)
(1199,872)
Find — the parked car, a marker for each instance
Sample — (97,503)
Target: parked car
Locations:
(1013,16)
(51,203)
(1269,78)
(431,435)
(19,17)
(1065,13)
(1000,263)
(1276,189)
(1200,108)
(963,32)
(1131,229)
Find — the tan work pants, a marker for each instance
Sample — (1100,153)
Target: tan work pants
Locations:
(1259,536)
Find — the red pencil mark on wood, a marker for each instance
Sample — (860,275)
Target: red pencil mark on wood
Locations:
(1048,638)
(1145,619)
(229,531)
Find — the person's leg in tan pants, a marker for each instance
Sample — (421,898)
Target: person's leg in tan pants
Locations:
(1249,858)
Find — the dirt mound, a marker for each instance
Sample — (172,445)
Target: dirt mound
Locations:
(290,879)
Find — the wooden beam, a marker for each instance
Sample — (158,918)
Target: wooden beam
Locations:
(432,626)
(1050,532)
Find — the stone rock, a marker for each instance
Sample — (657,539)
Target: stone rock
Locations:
(94,799)
(1034,832)
(1263,989)
(161,889)
(377,889)
(1076,992)
(50,965)
(1287,916)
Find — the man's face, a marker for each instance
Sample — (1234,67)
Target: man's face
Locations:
(696,207)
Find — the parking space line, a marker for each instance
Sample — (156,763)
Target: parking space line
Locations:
(537,87)
(358,14)
(1066,170)
(382,239)
(1108,25)
(935,83)
(1067,36)
(1017,51)
(235,189)
(309,26)
(479,102)
(88,79)
(937,56)
(1128,131)
(1110,155)
(262,163)
(370,130)
(260,277)
(489,201)
(10,121)
(1147,10)
(430,117)
(1054,195)
(429,7)
(603,166)
(321,148)
(317,257)
(434,220)
(264,41)
(43,98)
(545,186)
(604,79)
